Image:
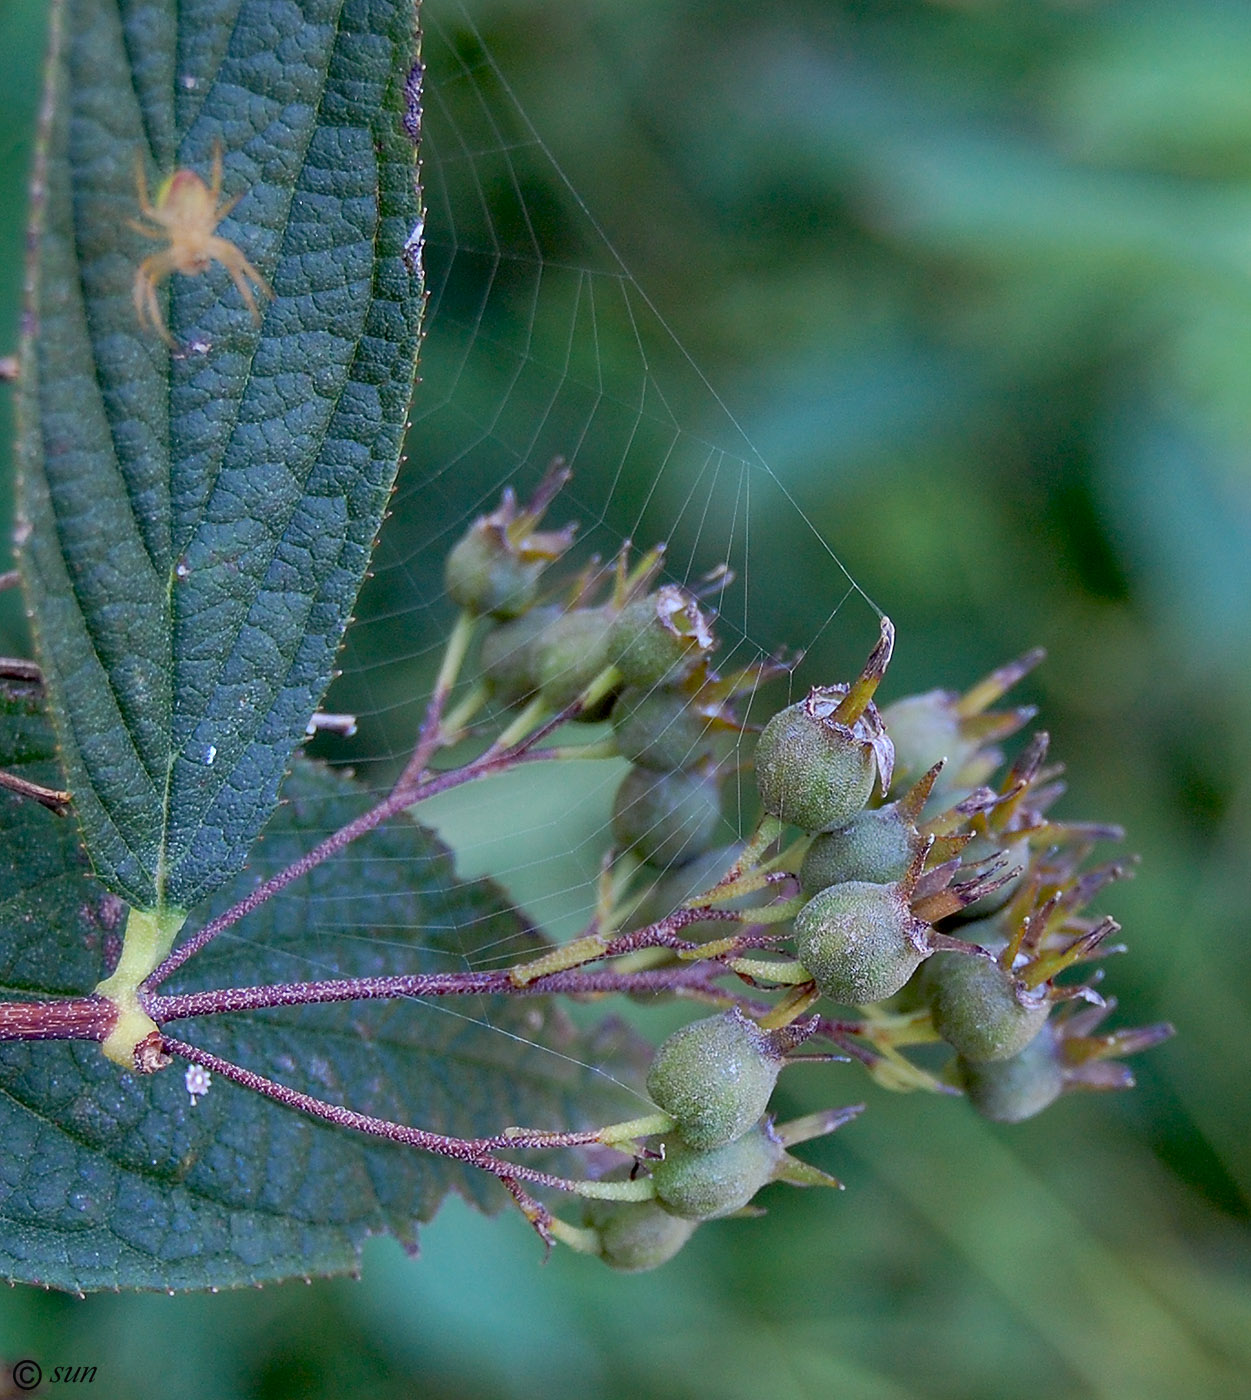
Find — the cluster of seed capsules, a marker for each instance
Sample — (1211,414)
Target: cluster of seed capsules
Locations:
(889,873)
(958,899)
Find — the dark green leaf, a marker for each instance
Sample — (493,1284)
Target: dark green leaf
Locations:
(111,1180)
(54,919)
(197,522)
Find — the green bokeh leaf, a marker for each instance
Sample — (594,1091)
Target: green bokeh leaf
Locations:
(197,523)
(112,1180)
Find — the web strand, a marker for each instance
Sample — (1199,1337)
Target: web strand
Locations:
(541,342)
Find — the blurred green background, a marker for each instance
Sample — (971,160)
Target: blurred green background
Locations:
(976,280)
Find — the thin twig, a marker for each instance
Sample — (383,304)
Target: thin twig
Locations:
(54,799)
(395,802)
(92,1018)
(429,734)
(80,1018)
(220,1001)
(17,668)
(439,1144)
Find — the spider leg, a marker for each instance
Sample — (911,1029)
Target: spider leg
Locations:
(141,181)
(215,188)
(261,285)
(158,320)
(239,278)
(151,310)
(147,308)
(140,289)
(146,231)
(137,296)
(241,274)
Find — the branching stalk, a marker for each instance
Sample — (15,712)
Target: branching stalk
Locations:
(468,1151)
(492,762)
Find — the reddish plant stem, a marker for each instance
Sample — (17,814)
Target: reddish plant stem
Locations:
(92,1018)
(427,736)
(395,802)
(840,1033)
(17,668)
(54,799)
(83,1018)
(683,977)
(534,1211)
(471,1153)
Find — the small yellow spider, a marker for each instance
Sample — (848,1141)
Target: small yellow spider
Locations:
(186,212)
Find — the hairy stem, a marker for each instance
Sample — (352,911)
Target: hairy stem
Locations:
(397,800)
(472,1153)
(430,733)
(93,1017)
(82,1018)
(684,977)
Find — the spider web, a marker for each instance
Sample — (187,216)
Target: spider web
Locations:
(540,343)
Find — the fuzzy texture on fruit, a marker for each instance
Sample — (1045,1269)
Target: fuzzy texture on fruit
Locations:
(636,1236)
(979,1009)
(860,941)
(659,638)
(811,770)
(1011,1090)
(660,729)
(666,819)
(877,845)
(702,1185)
(715,1077)
(569,654)
(509,656)
(484,575)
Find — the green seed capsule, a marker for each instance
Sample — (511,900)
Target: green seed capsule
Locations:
(877,845)
(978,1008)
(484,574)
(667,819)
(811,770)
(960,728)
(660,638)
(860,941)
(1011,1090)
(715,1077)
(702,1185)
(509,656)
(569,654)
(637,1235)
(924,729)
(660,729)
